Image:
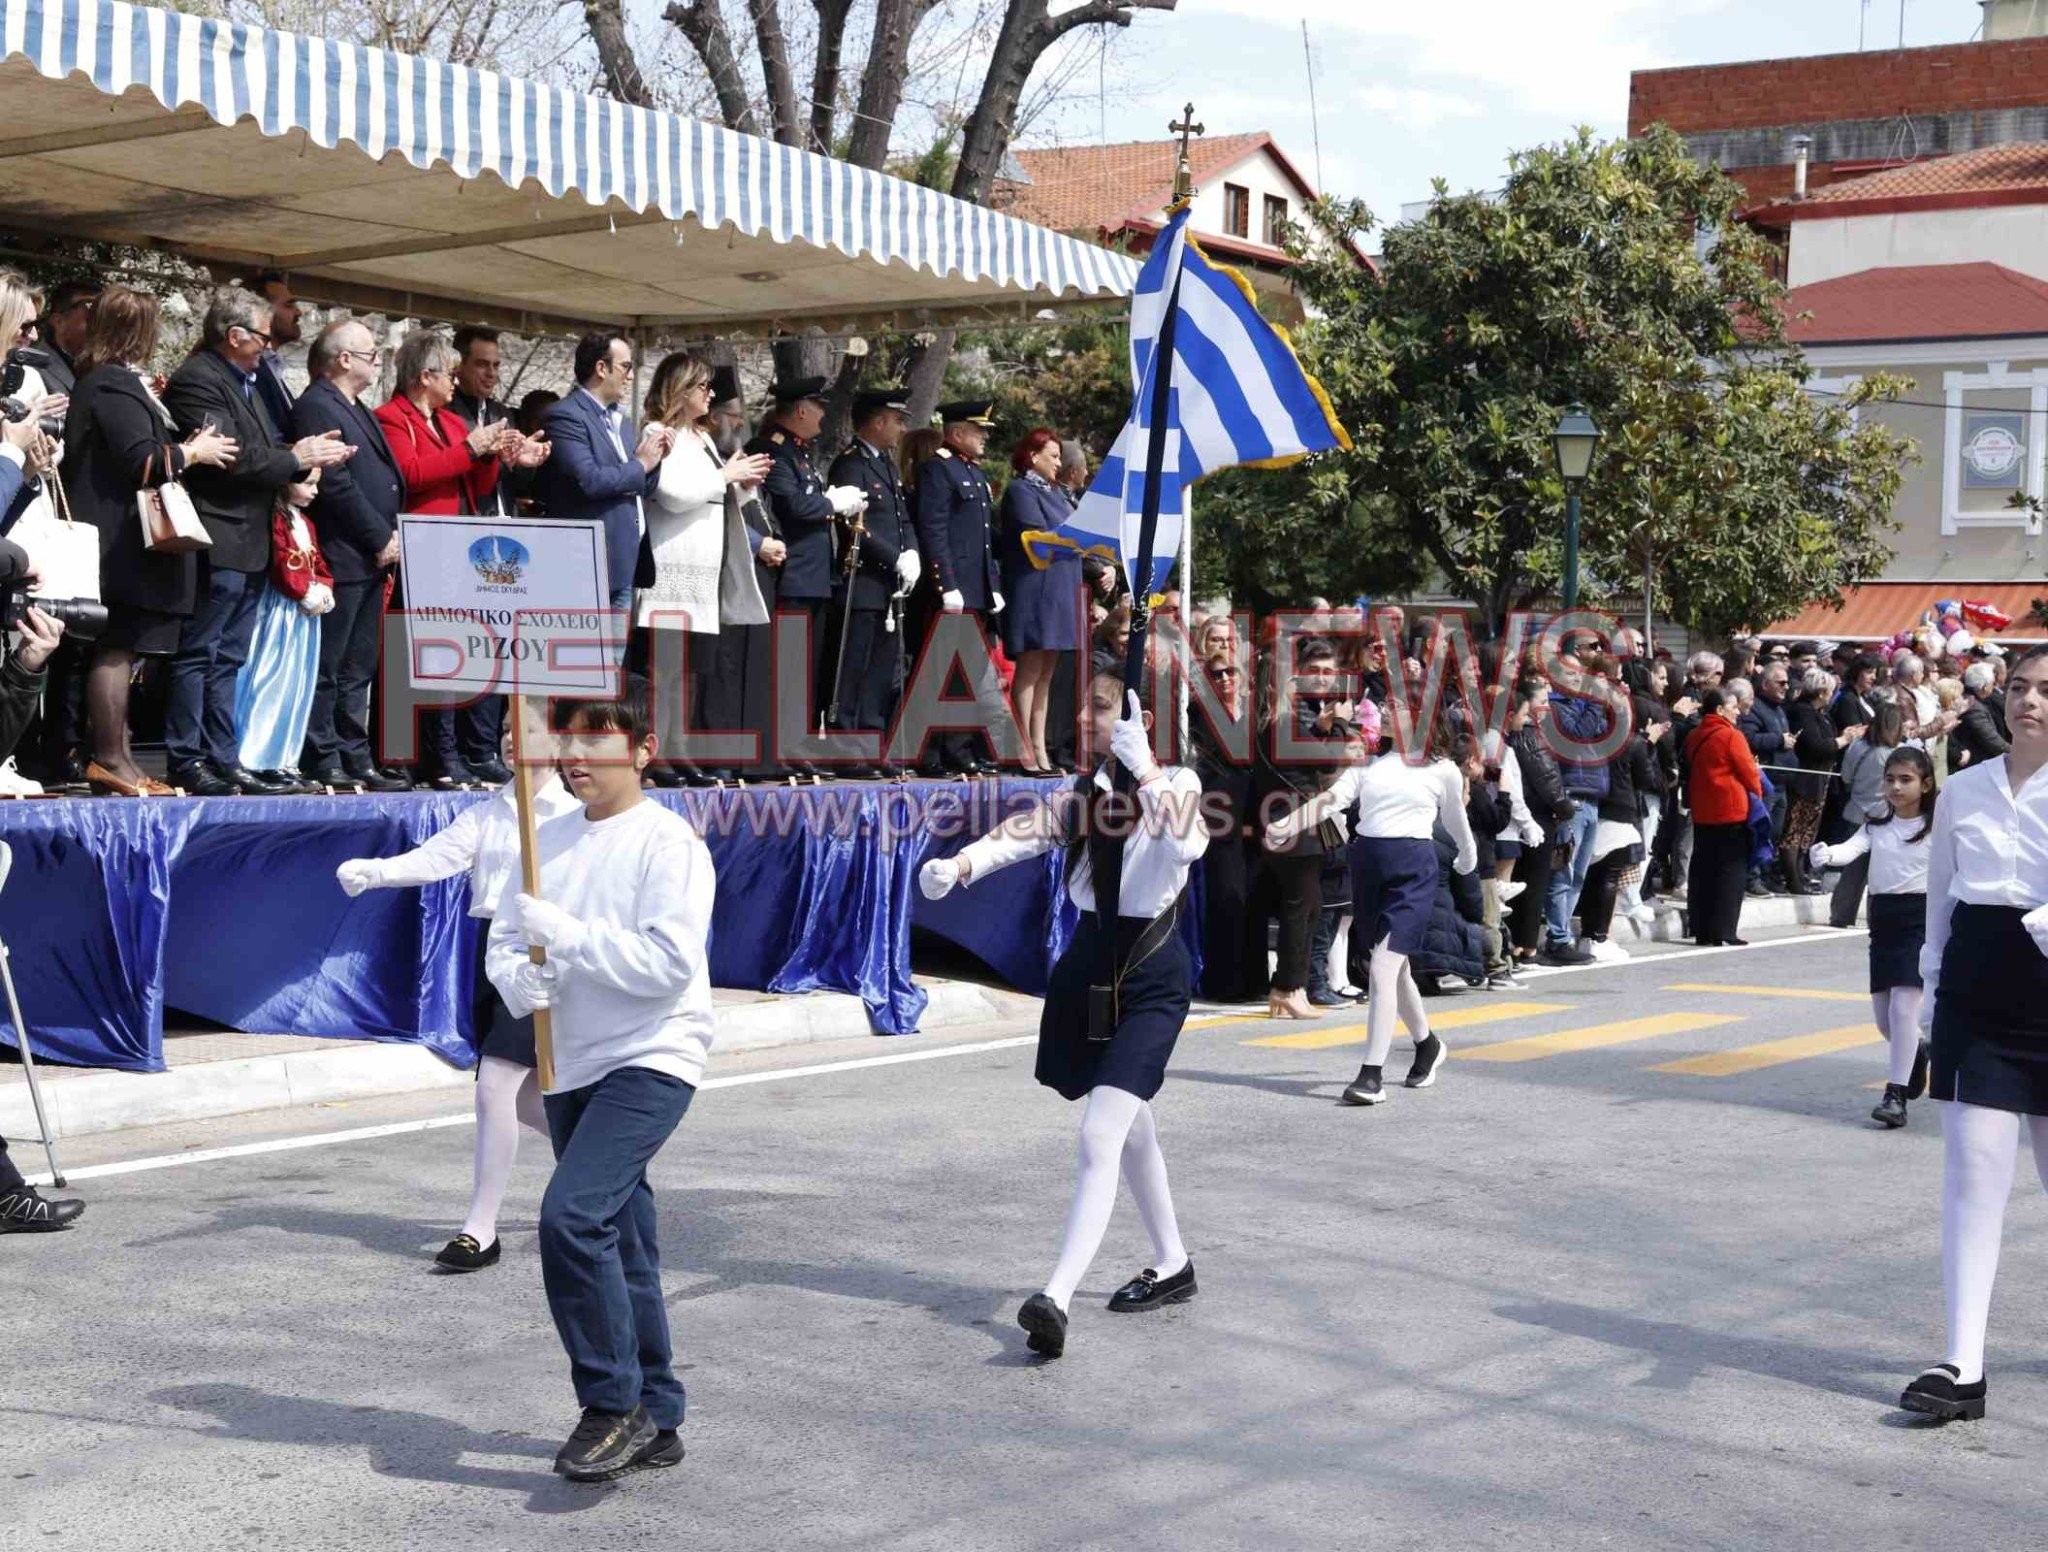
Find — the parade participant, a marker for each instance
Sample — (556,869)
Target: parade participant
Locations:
(954,509)
(1896,847)
(1985,966)
(624,915)
(864,688)
(484,841)
(1401,799)
(1119,1072)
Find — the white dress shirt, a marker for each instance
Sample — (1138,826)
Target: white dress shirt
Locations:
(1989,847)
(1398,802)
(484,838)
(1898,862)
(1169,836)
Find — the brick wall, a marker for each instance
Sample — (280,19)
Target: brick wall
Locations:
(1762,93)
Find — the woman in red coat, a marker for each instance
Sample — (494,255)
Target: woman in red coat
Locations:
(1722,776)
(448,468)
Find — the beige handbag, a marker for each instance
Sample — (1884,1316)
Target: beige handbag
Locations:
(170,523)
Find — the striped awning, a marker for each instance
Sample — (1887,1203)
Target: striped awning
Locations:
(365,169)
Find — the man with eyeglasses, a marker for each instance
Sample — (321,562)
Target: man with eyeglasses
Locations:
(62,328)
(217,387)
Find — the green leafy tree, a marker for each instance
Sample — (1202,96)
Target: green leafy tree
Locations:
(1585,280)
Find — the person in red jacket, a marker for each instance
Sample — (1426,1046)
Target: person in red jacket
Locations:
(1722,777)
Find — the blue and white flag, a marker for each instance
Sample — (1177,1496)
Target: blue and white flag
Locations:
(1237,396)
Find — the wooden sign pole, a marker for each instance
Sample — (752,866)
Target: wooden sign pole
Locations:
(529,880)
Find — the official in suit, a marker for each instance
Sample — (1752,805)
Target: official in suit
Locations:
(598,468)
(865,684)
(477,365)
(954,510)
(217,387)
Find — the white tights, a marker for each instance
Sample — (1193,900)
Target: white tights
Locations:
(507,1096)
(1897,1013)
(1982,1151)
(1338,966)
(1116,1127)
(1392,991)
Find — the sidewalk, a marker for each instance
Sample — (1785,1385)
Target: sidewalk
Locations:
(231,1074)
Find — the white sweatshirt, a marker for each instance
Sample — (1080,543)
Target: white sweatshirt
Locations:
(634,990)
(484,838)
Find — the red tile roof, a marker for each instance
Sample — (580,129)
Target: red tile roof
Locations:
(1918,302)
(1877,610)
(1098,188)
(2013,174)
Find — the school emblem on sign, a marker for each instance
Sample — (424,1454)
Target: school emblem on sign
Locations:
(1994,451)
(498,560)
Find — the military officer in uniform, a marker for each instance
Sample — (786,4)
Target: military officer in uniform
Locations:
(864,684)
(954,510)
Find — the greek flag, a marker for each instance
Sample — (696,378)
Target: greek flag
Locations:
(1237,396)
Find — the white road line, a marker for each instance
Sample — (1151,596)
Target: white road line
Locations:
(773,1075)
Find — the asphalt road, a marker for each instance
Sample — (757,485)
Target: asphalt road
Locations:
(1571,1297)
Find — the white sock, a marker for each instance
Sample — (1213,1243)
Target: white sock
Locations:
(1106,1118)
(1145,1174)
(507,1095)
(1981,1149)
(1898,1020)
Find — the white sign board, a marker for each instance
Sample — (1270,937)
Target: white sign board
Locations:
(509,606)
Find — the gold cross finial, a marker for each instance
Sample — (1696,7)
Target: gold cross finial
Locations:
(1183,172)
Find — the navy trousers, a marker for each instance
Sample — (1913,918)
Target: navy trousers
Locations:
(598,1256)
(199,709)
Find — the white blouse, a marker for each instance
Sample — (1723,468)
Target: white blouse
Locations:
(1989,847)
(484,838)
(1396,802)
(1168,838)
(1898,862)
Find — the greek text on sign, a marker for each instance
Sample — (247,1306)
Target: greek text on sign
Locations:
(518,606)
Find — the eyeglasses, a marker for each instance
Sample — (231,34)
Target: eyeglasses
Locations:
(256,333)
(1226,673)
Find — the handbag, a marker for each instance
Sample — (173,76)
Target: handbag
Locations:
(66,553)
(170,523)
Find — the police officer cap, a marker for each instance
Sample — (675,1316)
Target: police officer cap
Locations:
(797,390)
(973,412)
(725,384)
(872,401)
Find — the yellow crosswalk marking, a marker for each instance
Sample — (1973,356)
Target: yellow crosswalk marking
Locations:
(1531,1048)
(1449,1018)
(1804,994)
(1772,1053)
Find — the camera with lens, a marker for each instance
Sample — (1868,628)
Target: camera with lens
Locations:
(12,375)
(80,617)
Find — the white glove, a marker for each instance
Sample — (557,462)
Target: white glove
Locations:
(2036,923)
(1817,855)
(846,499)
(532,988)
(548,926)
(1129,741)
(908,566)
(937,877)
(318,600)
(951,601)
(996,605)
(357,875)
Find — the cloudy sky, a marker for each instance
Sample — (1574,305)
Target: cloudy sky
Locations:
(1408,90)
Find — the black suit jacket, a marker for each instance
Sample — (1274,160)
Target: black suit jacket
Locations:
(888,528)
(235,503)
(954,512)
(357,509)
(796,496)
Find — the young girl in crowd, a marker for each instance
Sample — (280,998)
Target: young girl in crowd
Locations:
(1896,844)
(274,692)
(484,841)
(1108,1045)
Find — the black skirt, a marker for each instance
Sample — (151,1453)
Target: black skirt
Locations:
(1991,1013)
(1152,1005)
(1898,929)
(1393,890)
(498,1033)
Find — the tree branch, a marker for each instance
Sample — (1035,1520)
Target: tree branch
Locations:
(704,25)
(1101,13)
(606,20)
(775,71)
(832,16)
(882,81)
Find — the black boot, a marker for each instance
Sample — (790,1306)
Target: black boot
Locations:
(1891,1110)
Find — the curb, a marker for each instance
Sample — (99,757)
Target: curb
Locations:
(1778,911)
(80,1104)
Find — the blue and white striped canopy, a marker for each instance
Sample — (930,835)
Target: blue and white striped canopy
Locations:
(249,101)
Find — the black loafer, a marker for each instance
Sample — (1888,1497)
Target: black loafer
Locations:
(605,1445)
(24,1211)
(254,784)
(1148,1290)
(1935,1393)
(201,781)
(464,1254)
(1916,1085)
(1046,1322)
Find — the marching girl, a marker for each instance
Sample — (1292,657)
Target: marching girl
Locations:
(1108,1046)
(484,839)
(1986,1002)
(1394,881)
(1896,844)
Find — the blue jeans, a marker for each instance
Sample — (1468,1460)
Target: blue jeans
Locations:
(199,704)
(598,1257)
(1566,881)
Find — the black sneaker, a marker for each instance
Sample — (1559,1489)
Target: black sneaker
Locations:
(1564,954)
(1755,890)
(1916,1085)
(1148,1290)
(1046,1322)
(464,1254)
(1891,1110)
(605,1445)
(23,1211)
(1429,1056)
(665,1449)
(1366,1088)
(1935,1393)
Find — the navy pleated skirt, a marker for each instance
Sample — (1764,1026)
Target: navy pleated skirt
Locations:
(1152,1005)
(1898,929)
(1991,1013)
(1393,890)
(498,1033)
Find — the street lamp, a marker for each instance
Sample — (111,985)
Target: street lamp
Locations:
(1572,444)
